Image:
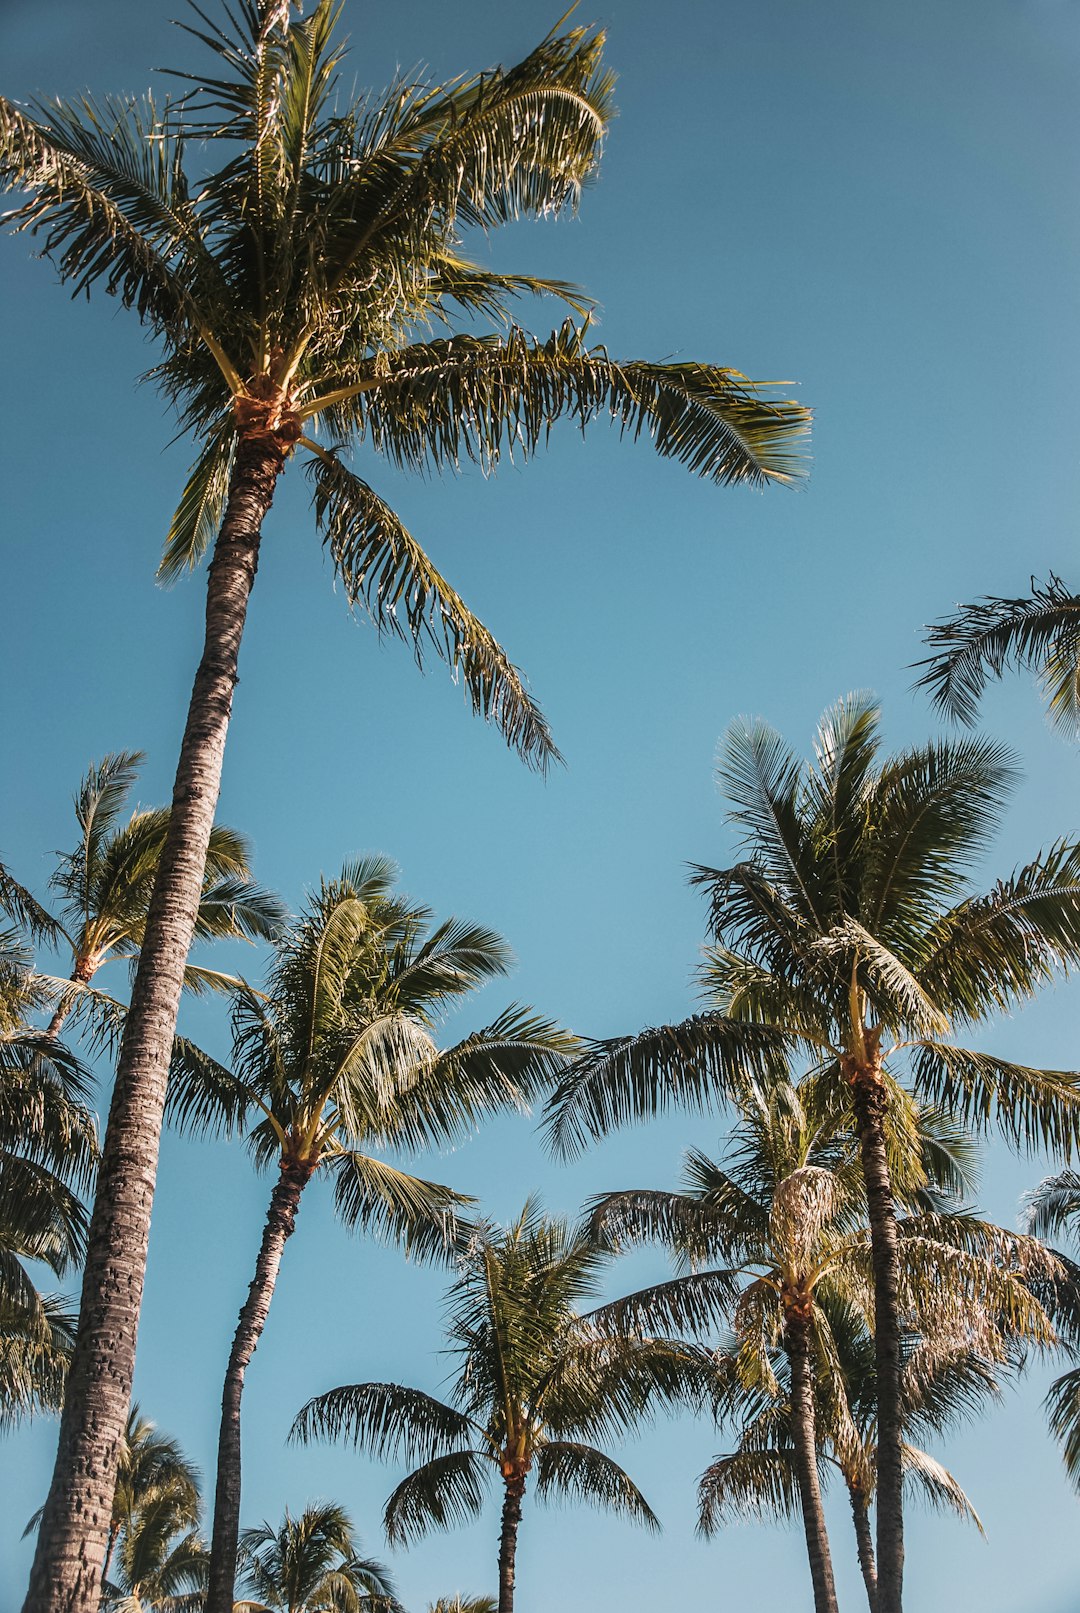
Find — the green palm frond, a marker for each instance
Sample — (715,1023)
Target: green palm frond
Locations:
(474,397)
(384,570)
(570,1471)
(386,1420)
(1063,1410)
(446,1491)
(978,642)
(1053,1206)
(937,1485)
(423,1217)
(747,1484)
(1030,1107)
(198,516)
(695,1064)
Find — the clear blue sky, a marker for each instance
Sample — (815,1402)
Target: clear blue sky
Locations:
(876,202)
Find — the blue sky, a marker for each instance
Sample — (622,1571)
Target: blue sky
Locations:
(874,202)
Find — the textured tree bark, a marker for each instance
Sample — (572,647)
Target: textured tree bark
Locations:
(66,1575)
(804,1437)
(280,1220)
(868,1095)
(511,1518)
(864,1542)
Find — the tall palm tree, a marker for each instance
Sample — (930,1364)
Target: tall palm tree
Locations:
(535,1381)
(338,1058)
(1040,634)
(849,933)
(48,1153)
(311,1565)
(105,882)
(294,291)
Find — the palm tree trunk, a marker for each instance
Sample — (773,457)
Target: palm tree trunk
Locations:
(66,1576)
(511,1518)
(804,1438)
(868,1096)
(280,1220)
(864,1543)
(82,974)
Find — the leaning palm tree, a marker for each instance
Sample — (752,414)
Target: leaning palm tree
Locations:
(1039,633)
(849,934)
(311,1565)
(337,1059)
(536,1381)
(104,884)
(294,291)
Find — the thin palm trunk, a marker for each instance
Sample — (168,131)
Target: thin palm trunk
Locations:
(511,1519)
(81,975)
(804,1438)
(864,1542)
(280,1220)
(868,1093)
(66,1575)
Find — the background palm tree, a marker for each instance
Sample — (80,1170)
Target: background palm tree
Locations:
(535,1381)
(105,884)
(160,1563)
(294,292)
(849,934)
(1040,634)
(311,1564)
(48,1153)
(338,1058)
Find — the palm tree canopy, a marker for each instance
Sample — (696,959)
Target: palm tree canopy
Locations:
(311,1564)
(105,882)
(300,289)
(48,1151)
(849,929)
(1039,633)
(536,1380)
(338,1056)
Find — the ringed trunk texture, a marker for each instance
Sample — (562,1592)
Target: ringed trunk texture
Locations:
(797,1345)
(280,1220)
(864,1541)
(868,1094)
(66,1576)
(511,1518)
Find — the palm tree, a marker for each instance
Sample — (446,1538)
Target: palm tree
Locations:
(337,1058)
(849,934)
(105,883)
(161,1562)
(536,1380)
(294,292)
(1051,1209)
(783,1215)
(758,1478)
(311,1565)
(1039,634)
(464,1604)
(48,1153)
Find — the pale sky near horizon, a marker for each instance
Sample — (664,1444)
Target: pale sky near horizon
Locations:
(874,202)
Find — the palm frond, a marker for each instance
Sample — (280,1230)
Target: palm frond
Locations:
(447,1491)
(747,1484)
(1030,1107)
(1040,633)
(421,1216)
(387,1420)
(385,571)
(574,1472)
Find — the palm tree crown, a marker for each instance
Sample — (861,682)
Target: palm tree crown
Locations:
(310,1564)
(536,1381)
